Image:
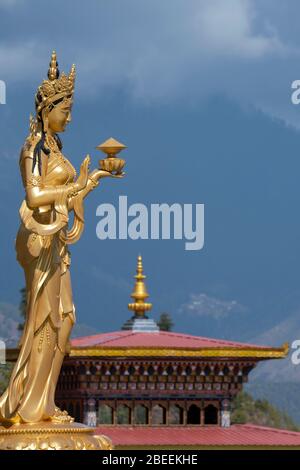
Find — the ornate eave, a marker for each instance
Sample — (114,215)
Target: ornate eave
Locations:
(224,352)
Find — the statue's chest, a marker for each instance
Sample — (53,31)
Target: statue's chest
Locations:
(59,170)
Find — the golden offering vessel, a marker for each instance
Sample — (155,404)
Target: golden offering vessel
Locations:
(111,147)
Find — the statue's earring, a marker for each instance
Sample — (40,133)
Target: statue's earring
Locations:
(45,121)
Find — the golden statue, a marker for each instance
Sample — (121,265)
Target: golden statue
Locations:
(52,192)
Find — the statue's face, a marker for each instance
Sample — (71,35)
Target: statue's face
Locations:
(59,116)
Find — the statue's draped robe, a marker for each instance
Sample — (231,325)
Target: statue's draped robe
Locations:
(50,311)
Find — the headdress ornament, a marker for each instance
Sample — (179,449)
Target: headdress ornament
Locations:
(57,86)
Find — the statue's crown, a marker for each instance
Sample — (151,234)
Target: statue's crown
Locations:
(57,86)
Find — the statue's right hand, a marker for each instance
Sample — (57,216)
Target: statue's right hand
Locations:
(84,173)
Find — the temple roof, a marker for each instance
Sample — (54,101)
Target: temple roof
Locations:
(164,343)
(141,337)
(237,435)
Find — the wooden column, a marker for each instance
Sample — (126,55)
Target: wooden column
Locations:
(115,413)
(133,412)
(150,413)
(185,414)
(167,412)
(202,416)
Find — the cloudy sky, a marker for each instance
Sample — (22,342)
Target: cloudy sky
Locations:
(200,92)
(160,51)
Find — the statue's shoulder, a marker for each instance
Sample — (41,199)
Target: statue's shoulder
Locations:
(29,145)
(34,136)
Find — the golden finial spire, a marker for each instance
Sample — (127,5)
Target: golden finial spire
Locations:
(53,72)
(139,293)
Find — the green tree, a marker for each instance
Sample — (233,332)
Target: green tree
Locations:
(165,322)
(5,371)
(245,409)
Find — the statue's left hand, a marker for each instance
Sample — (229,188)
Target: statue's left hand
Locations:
(98,174)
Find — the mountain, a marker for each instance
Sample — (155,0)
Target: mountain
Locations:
(241,164)
(283,395)
(283,370)
(9,321)
(278,381)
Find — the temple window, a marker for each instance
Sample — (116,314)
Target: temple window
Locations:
(123,414)
(105,414)
(210,414)
(141,414)
(77,414)
(158,415)
(193,415)
(175,414)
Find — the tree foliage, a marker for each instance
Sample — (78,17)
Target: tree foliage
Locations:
(5,371)
(248,410)
(165,322)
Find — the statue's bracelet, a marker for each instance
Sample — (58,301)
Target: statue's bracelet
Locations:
(94,182)
(72,191)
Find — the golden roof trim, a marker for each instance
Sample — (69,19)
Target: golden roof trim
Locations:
(229,351)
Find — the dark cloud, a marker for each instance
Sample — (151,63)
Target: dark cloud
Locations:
(157,53)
